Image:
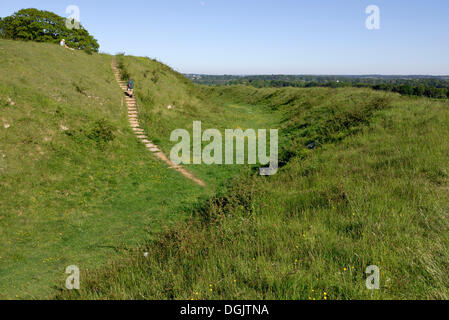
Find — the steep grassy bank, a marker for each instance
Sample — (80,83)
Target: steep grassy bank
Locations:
(374,192)
(76,186)
(168,101)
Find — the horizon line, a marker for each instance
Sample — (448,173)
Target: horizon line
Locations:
(317,74)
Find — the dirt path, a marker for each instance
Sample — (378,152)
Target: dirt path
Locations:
(133,115)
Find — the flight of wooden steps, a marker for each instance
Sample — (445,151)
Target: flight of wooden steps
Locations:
(133,115)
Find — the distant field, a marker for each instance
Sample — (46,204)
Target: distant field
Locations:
(436,87)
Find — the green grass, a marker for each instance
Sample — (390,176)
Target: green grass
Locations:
(373,193)
(78,188)
(76,185)
(158,87)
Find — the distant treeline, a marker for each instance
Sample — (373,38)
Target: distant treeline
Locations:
(427,86)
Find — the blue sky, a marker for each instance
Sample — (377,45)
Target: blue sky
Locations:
(268,36)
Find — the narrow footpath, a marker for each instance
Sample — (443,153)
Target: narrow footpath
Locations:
(133,115)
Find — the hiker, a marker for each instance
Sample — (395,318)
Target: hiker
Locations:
(131,88)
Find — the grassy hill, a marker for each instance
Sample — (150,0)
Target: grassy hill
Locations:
(159,87)
(373,193)
(77,188)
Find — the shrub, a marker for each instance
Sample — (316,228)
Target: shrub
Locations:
(88,50)
(101,132)
(124,74)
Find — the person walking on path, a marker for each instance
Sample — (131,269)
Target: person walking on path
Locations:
(131,88)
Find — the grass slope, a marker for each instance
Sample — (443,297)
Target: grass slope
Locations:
(76,186)
(158,87)
(373,193)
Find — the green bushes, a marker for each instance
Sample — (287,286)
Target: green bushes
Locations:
(102,132)
(124,74)
(88,51)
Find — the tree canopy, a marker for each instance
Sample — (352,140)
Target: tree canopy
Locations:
(45,26)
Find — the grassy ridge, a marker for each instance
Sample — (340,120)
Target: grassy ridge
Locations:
(158,87)
(76,186)
(373,192)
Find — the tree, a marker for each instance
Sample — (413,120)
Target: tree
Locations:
(405,89)
(45,26)
(440,93)
(419,90)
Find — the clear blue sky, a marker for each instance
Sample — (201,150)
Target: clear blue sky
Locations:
(268,36)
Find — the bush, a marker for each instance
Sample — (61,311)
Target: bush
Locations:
(101,132)
(88,51)
(45,26)
(124,74)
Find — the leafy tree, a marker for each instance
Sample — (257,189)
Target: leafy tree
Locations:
(419,90)
(405,89)
(440,93)
(45,26)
